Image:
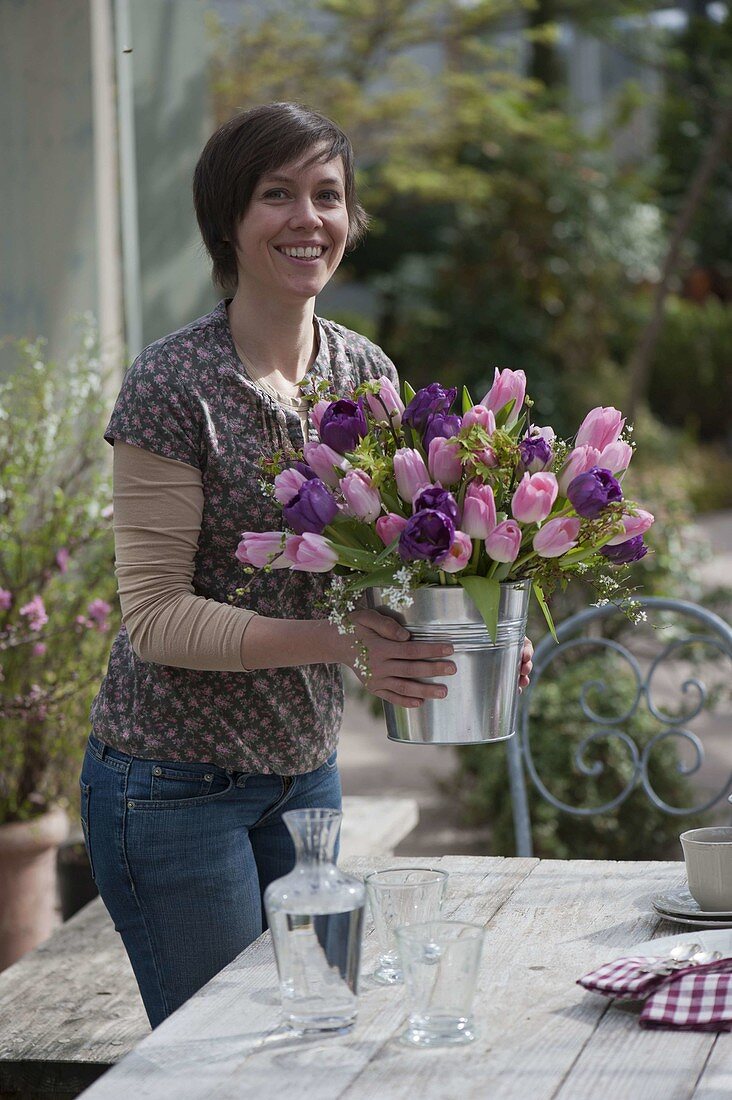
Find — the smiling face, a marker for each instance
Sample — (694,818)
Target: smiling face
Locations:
(293,234)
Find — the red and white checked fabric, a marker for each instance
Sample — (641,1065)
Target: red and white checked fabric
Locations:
(697,998)
(624,978)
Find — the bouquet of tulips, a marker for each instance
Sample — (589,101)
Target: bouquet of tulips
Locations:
(405,493)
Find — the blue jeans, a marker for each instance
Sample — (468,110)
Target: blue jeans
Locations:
(182,853)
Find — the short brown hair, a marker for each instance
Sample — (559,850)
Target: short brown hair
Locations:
(249,146)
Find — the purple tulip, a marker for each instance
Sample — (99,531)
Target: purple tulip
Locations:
(343,424)
(535,452)
(591,492)
(632,550)
(441,426)
(428,402)
(436,498)
(427,536)
(577,462)
(312,509)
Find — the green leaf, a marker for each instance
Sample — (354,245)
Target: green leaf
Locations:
(485,593)
(505,412)
(467,400)
(376,579)
(538,592)
(408,392)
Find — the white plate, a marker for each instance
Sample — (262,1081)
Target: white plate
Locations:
(719,940)
(709,922)
(680,903)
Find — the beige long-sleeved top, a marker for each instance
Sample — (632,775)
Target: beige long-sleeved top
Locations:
(158,506)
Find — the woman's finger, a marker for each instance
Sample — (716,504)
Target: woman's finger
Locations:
(412,688)
(381,625)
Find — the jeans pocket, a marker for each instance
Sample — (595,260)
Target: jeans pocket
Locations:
(85,804)
(332,761)
(174,783)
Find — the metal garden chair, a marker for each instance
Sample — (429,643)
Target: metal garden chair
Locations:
(666,648)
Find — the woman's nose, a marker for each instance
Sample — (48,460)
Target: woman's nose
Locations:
(305,215)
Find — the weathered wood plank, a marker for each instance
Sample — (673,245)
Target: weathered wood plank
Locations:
(540,1034)
(247,1053)
(374,826)
(72,1001)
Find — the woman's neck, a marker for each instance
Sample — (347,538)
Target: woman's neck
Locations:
(272,340)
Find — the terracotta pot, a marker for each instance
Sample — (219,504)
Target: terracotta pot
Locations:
(28,882)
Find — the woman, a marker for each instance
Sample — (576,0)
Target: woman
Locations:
(214,718)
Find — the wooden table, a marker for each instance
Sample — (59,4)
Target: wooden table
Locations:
(540,1035)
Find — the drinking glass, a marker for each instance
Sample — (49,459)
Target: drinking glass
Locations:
(397,897)
(440,961)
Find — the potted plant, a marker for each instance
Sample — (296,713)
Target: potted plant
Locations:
(56,598)
(449,522)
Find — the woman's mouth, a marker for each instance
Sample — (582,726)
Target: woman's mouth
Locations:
(304,255)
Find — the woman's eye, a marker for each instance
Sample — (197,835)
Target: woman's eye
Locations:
(331,196)
(274,193)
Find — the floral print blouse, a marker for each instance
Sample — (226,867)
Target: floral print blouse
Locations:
(187,397)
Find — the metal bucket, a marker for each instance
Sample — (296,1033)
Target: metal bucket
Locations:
(482,695)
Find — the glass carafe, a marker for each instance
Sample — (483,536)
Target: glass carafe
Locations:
(315,914)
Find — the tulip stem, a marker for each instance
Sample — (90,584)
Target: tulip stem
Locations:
(441,575)
(473,567)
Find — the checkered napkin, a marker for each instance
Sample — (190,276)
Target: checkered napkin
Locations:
(696,998)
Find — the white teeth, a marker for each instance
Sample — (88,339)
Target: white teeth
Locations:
(309,253)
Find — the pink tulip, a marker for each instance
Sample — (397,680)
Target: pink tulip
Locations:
(458,555)
(316,413)
(390,527)
(444,462)
(504,541)
(479,511)
(577,462)
(287,485)
(410,472)
(389,398)
(507,385)
(6,599)
(600,427)
(479,414)
(634,525)
(616,457)
(325,461)
(532,502)
(556,537)
(310,553)
(362,495)
(260,548)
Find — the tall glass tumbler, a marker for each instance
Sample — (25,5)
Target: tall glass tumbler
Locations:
(440,960)
(398,897)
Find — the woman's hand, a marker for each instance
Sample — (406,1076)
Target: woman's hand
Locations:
(396,664)
(526,664)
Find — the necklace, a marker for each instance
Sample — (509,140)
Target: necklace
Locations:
(292,401)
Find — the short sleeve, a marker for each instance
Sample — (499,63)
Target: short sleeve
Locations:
(157,411)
